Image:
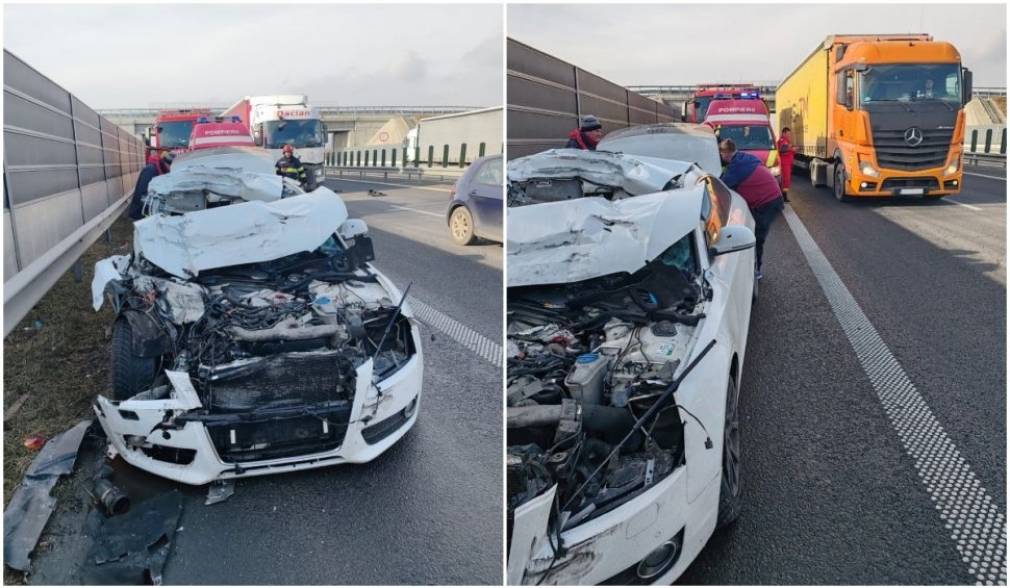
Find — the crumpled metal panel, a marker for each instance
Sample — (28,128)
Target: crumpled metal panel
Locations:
(249,232)
(31,505)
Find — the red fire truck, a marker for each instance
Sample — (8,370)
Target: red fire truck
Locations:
(172,128)
(696,107)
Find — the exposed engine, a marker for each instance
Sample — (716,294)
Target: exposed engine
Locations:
(586,360)
(281,333)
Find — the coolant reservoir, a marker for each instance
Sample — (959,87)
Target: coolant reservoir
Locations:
(585,381)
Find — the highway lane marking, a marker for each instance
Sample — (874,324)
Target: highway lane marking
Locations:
(398,207)
(959,203)
(967,510)
(484,347)
(339,179)
(985,176)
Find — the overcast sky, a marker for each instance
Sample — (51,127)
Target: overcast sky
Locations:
(121,56)
(684,44)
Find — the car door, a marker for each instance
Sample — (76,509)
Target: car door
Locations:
(486,198)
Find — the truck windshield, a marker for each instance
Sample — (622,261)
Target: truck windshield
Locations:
(702,107)
(299,133)
(175,134)
(911,82)
(748,137)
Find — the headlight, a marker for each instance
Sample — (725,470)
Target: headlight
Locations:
(867,169)
(776,170)
(954,166)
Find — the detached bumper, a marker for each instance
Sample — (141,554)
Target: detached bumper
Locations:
(156,436)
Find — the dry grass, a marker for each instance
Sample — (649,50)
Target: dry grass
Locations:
(59,367)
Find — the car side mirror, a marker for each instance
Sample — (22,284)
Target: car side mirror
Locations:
(351,228)
(733,238)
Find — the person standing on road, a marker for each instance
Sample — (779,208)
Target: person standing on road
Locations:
(290,166)
(755,183)
(154,168)
(588,134)
(786,154)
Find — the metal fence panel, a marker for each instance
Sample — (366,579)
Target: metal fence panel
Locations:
(547,97)
(66,170)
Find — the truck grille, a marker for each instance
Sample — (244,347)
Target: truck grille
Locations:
(894,153)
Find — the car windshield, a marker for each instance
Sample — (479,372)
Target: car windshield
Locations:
(911,82)
(748,137)
(174,134)
(297,133)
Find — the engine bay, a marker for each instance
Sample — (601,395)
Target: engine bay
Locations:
(586,361)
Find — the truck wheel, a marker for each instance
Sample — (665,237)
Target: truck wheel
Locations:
(130,374)
(839,183)
(461,226)
(730,499)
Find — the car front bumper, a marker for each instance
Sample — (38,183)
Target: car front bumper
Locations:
(608,548)
(379,416)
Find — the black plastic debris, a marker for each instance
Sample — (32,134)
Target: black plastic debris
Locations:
(372,192)
(31,505)
(132,548)
(220,491)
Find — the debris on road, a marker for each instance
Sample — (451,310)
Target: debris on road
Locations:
(31,505)
(373,192)
(34,442)
(132,549)
(220,491)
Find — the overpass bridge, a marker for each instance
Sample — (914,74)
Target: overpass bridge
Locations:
(348,126)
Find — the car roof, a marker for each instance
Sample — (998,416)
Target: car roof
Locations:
(697,130)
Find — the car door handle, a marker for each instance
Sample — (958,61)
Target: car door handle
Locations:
(473,192)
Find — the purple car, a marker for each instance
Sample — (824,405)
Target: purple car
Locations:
(475,206)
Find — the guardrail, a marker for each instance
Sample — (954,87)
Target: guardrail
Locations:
(993,159)
(407,173)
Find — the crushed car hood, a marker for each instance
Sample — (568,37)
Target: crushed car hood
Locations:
(585,238)
(234,172)
(249,232)
(634,175)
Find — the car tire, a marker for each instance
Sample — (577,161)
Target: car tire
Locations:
(131,374)
(730,499)
(839,183)
(461,226)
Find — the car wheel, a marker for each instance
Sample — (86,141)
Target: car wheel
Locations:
(131,374)
(461,226)
(839,186)
(730,502)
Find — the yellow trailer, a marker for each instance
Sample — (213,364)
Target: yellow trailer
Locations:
(878,115)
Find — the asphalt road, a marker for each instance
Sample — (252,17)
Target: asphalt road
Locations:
(831,494)
(426,512)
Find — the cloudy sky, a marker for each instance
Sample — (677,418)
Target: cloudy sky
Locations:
(121,56)
(684,44)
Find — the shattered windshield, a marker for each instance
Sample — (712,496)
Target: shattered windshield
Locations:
(297,133)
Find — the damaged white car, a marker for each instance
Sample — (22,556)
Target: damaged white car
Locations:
(630,286)
(252,335)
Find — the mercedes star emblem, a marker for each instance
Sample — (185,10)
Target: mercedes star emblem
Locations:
(913,136)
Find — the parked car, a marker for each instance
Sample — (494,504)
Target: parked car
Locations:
(628,306)
(475,203)
(252,334)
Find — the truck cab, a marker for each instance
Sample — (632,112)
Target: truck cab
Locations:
(172,129)
(747,123)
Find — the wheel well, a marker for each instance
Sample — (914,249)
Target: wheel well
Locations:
(734,369)
(452,208)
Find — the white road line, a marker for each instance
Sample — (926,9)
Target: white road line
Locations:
(959,203)
(485,348)
(435,214)
(389,184)
(985,176)
(975,523)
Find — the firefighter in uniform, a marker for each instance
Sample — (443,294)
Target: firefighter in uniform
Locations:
(290,166)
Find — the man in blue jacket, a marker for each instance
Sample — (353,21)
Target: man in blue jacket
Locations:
(745,174)
(162,166)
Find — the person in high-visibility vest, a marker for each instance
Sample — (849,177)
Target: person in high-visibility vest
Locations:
(290,166)
(786,154)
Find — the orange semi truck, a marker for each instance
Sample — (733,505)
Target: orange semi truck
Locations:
(879,115)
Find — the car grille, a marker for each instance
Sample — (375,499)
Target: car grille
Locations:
(279,437)
(894,153)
